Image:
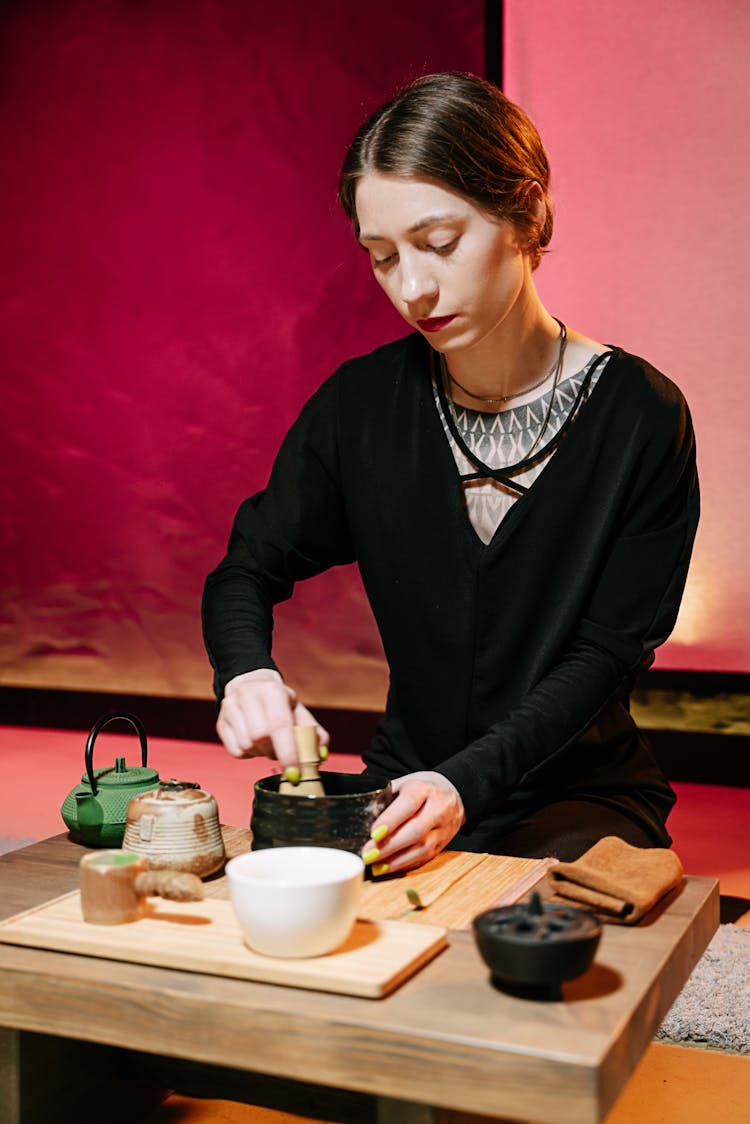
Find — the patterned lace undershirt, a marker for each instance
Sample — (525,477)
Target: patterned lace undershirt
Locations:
(502,439)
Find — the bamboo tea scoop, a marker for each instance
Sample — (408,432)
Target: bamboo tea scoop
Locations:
(308,752)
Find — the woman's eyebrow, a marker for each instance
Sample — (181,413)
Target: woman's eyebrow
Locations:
(428,220)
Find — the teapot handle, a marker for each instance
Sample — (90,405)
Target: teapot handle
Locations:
(98,726)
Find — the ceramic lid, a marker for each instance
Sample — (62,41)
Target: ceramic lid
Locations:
(183,792)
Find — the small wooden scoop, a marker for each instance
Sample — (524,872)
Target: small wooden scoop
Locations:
(308,752)
(115,884)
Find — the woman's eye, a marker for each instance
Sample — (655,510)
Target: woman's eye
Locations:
(379,263)
(445,248)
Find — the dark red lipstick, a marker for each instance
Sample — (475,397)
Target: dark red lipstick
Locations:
(435,323)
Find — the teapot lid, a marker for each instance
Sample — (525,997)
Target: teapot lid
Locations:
(173,789)
(123,774)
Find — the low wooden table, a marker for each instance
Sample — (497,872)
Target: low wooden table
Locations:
(445,1046)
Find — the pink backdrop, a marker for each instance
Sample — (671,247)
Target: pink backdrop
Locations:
(177,280)
(645,110)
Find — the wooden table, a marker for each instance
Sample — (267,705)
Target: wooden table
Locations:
(446,1046)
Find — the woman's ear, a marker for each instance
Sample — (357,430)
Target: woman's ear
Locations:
(537,225)
(535,203)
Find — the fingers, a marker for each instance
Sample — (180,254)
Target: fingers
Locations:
(257,717)
(424,817)
(396,827)
(278,725)
(232,728)
(391,861)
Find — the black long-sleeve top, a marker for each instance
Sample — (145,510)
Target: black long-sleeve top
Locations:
(511,662)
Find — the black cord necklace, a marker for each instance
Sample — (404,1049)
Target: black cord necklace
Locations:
(505,476)
(508,397)
(556,368)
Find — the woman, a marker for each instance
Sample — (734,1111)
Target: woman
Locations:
(520,499)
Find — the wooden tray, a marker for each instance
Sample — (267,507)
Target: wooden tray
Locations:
(205,937)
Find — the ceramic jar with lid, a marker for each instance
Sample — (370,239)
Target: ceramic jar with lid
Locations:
(176,827)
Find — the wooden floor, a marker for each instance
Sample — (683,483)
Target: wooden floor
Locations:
(672,1085)
(680,1085)
(184,1110)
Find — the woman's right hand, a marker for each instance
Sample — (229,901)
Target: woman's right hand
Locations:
(257,718)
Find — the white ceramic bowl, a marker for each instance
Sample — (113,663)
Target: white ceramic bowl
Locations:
(295,901)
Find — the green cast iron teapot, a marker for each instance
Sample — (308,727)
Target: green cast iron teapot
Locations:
(96,810)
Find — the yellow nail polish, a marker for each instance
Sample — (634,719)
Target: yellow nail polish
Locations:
(371,855)
(379,834)
(381,868)
(292,774)
(323,751)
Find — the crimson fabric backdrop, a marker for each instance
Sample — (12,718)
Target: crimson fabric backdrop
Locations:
(176,281)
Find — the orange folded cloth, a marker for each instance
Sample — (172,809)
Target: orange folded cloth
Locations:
(616,880)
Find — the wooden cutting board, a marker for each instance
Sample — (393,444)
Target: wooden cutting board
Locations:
(205,937)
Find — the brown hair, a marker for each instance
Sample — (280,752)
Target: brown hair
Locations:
(464,133)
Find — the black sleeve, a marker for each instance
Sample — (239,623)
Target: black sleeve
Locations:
(632,610)
(295,528)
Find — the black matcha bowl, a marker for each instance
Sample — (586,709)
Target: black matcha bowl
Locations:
(341,818)
(531,949)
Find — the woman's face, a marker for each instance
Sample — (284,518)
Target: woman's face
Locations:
(453,272)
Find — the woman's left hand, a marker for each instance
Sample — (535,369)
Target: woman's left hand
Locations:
(424,817)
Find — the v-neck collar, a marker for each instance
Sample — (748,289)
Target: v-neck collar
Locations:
(450,480)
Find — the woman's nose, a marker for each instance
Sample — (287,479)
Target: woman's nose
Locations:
(417,283)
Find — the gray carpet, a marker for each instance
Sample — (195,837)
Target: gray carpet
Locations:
(713,1008)
(8,843)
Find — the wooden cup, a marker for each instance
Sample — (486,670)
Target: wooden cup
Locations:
(108,890)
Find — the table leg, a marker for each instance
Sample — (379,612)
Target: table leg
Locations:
(10,1090)
(45,1078)
(390,1111)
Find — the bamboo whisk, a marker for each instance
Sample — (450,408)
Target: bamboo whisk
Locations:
(308,751)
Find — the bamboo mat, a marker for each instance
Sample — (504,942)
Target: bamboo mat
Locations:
(476,882)
(453,889)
